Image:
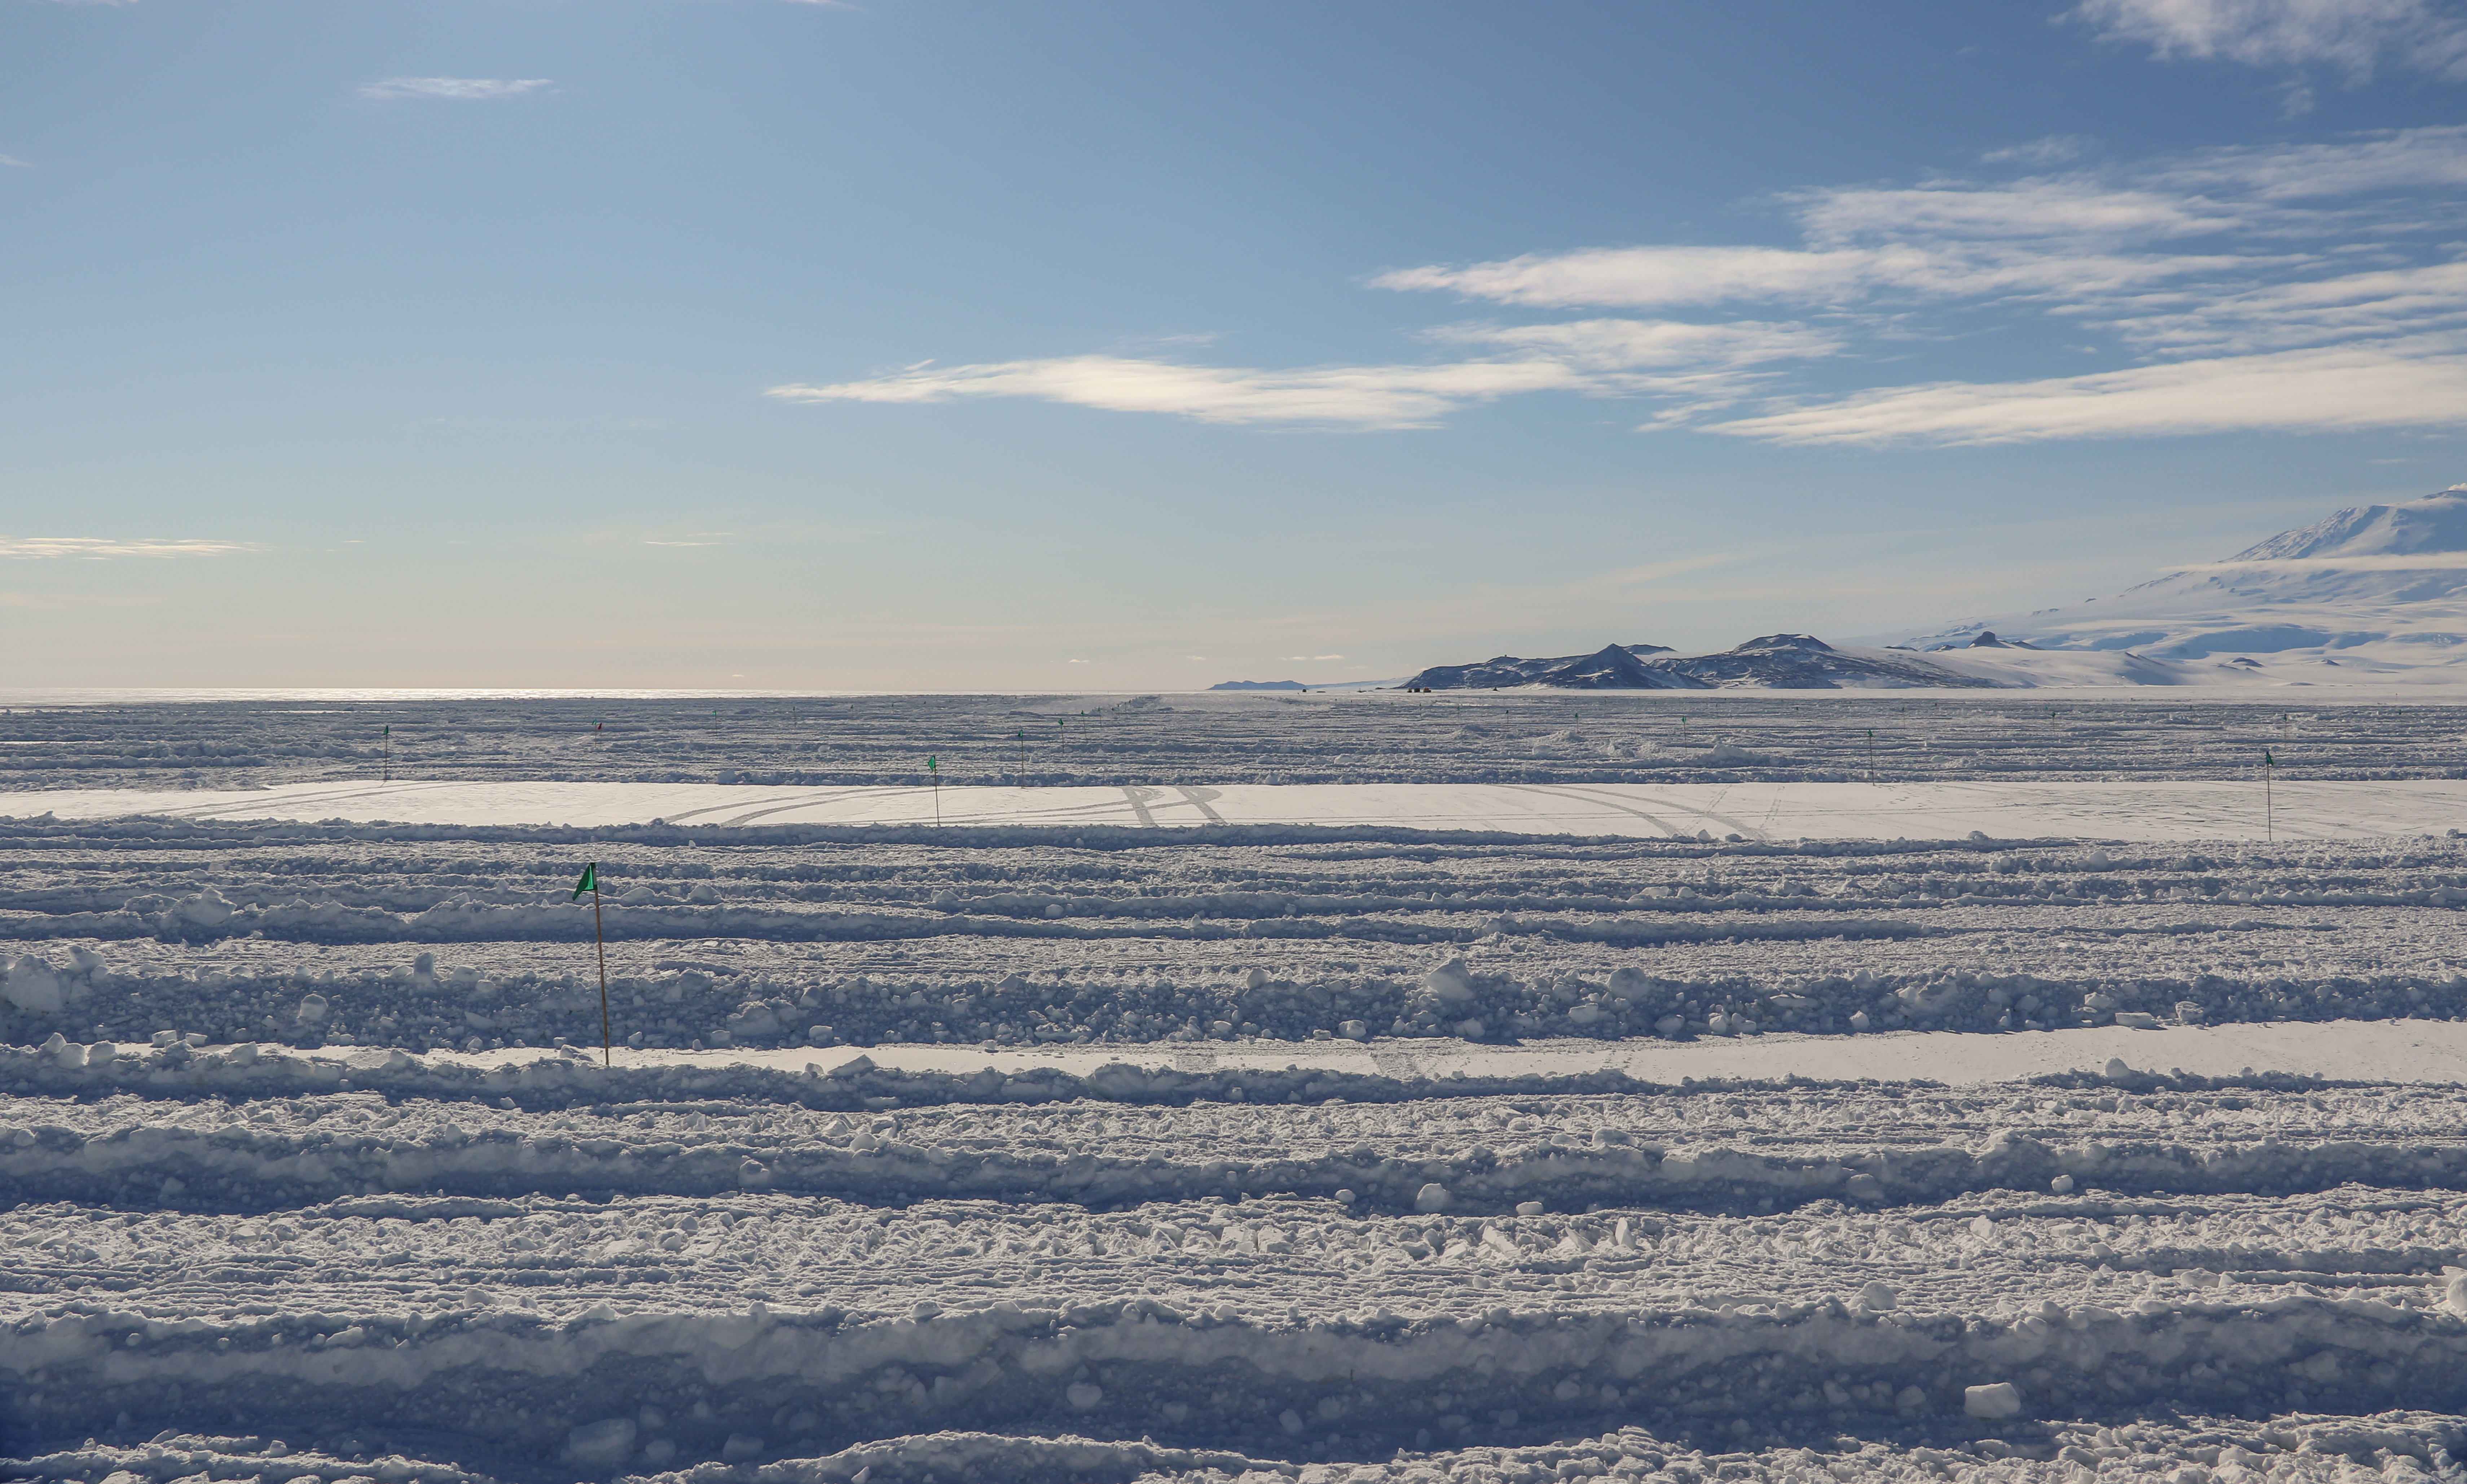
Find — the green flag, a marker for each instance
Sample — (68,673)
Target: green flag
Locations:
(2266,760)
(931,765)
(389,731)
(590,881)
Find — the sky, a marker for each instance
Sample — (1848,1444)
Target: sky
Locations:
(771,344)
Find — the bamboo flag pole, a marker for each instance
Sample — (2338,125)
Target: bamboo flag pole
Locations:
(388,751)
(934,771)
(2268,806)
(599,937)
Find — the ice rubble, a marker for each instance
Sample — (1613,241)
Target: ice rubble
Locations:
(788,1373)
(261,1163)
(2393,1446)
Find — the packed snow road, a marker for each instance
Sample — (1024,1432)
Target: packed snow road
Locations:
(2141,812)
(1359,1151)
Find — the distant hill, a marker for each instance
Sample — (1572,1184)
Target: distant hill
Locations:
(1780,661)
(1615,667)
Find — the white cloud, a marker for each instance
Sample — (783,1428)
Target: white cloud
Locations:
(1630,277)
(2378,303)
(1624,344)
(1591,356)
(2280,176)
(2350,36)
(1355,396)
(12,162)
(2407,384)
(102,546)
(2053,150)
(458,89)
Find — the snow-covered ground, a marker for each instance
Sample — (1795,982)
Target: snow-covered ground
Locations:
(1222,739)
(1483,1119)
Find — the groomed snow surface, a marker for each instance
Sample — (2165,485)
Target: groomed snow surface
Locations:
(1308,1145)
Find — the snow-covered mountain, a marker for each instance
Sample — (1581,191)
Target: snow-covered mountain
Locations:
(2373,594)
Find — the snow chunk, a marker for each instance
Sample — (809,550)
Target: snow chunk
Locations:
(1433,1196)
(600,1444)
(208,909)
(31,984)
(2001,1399)
(1450,984)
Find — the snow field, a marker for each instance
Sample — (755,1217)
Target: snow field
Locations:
(292,1151)
(1110,741)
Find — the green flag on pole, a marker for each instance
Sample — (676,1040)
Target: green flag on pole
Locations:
(931,765)
(2266,760)
(590,881)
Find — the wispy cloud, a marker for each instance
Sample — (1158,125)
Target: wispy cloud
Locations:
(454,89)
(1592,356)
(2416,383)
(2051,151)
(97,548)
(2353,37)
(2334,267)
(9,162)
(1356,396)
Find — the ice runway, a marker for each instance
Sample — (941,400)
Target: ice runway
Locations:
(2132,811)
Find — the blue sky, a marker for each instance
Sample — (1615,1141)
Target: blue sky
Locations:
(771,344)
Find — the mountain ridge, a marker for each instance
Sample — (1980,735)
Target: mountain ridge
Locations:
(2371,594)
